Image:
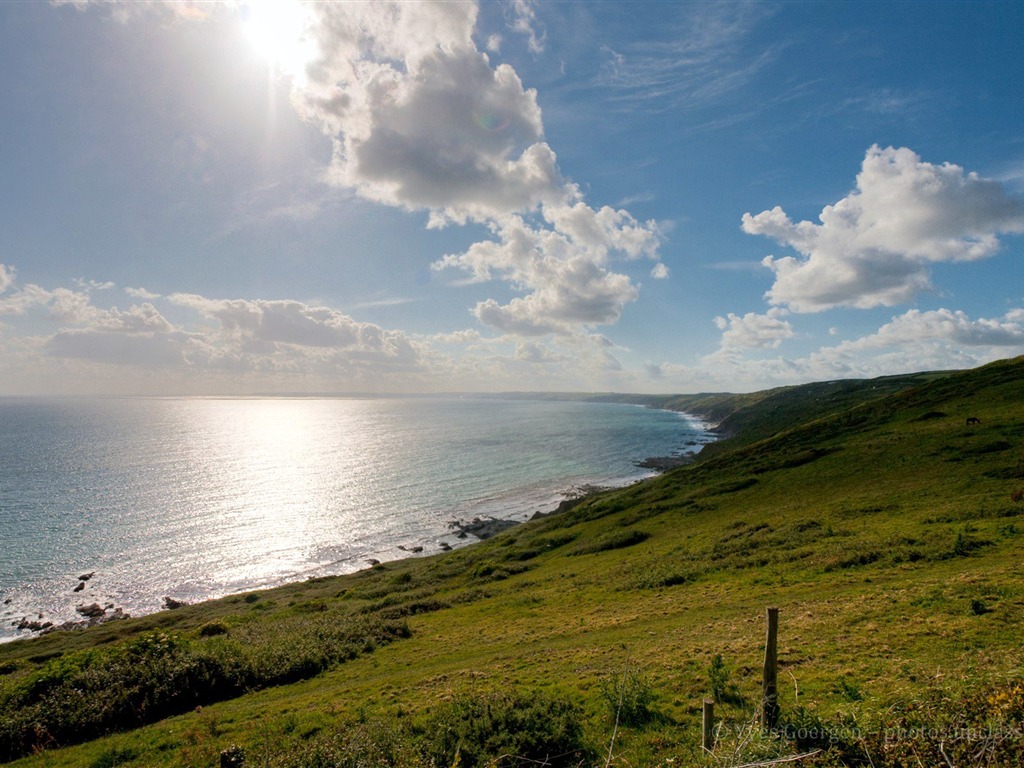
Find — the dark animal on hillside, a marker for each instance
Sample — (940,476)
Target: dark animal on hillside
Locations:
(973,420)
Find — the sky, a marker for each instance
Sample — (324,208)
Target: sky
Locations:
(274,196)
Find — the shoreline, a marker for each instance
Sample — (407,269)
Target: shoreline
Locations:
(472,531)
(480,528)
(97,606)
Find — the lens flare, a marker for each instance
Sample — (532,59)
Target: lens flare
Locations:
(490,122)
(280,31)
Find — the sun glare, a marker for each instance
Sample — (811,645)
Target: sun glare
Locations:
(279,30)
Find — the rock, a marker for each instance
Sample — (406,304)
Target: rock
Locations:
(372,561)
(34,626)
(482,528)
(416,550)
(98,618)
(80,587)
(87,576)
(445,546)
(91,611)
(664,463)
(171,604)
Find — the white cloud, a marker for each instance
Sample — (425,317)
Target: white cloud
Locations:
(754,331)
(874,246)
(265,326)
(93,285)
(524,21)
(948,326)
(24,299)
(147,350)
(562,271)
(419,117)
(532,352)
(660,272)
(422,120)
(6,277)
(141,293)
(914,341)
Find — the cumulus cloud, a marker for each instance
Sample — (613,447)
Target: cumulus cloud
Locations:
(264,326)
(754,331)
(942,339)
(421,119)
(945,325)
(874,246)
(141,293)
(6,277)
(562,270)
(419,116)
(96,345)
(24,299)
(659,271)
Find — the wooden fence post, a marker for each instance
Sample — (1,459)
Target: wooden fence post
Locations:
(770,688)
(707,739)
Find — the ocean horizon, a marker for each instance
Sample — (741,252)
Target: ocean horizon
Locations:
(194,498)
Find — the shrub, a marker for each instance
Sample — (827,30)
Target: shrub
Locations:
(722,688)
(611,540)
(628,698)
(519,727)
(213,628)
(89,693)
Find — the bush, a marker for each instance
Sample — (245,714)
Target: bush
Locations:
(611,540)
(90,693)
(510,727)
(628,698)
(723,690)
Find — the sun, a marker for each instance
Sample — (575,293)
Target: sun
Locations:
(280,31)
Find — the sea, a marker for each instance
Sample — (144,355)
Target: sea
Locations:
(195,498)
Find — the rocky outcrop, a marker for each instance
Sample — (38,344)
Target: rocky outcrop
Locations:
(664,463)
(91,611)
(481,527)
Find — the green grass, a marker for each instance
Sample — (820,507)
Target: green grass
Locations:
(883,527)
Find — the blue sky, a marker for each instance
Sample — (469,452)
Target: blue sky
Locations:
(275,196)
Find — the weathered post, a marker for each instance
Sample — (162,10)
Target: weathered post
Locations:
(770,688)
(707,739)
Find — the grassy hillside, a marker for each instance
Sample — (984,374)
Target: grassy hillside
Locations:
(884,527)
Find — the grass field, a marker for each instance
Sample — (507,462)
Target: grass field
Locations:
(886,530)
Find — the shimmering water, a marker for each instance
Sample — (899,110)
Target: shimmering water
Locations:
(195,498)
